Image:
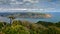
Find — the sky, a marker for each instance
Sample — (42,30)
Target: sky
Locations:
(30,5)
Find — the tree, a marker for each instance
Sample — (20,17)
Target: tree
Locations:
(11,18)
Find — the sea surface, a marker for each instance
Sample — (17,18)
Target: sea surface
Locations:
(55,17)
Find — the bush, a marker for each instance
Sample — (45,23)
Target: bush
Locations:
(18,29)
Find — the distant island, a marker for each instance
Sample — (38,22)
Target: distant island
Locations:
(26,15)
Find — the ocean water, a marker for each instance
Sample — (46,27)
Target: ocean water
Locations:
(55,17)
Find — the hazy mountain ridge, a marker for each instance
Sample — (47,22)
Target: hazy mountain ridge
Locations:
(26,15)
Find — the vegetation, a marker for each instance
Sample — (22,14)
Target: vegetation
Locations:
(25,27)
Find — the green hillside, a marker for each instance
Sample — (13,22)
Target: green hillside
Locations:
(25,27)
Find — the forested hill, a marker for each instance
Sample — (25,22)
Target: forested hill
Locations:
(26,27)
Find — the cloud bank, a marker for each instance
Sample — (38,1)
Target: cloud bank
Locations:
(29,5)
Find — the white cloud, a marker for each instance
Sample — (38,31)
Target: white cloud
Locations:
(17,2)
(32,1)
(13,0)
(26,9)
(12,9)
(19,9)
(29,10)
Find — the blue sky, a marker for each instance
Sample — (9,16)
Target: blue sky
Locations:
(30,5)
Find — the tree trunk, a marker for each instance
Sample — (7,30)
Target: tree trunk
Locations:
(10,21)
